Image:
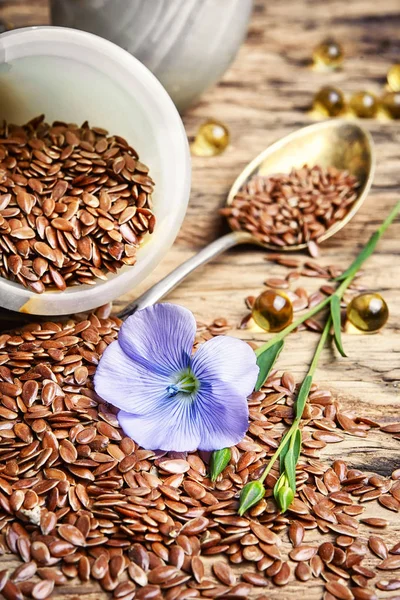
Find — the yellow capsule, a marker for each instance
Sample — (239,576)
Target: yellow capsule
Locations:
(364,105)
(328,54)
(391,104)
(273,311)
(368,312)
(211,139)
(393,78)
(329,101)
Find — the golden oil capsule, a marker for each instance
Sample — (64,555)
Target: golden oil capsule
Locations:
(391,104)
(364,105)
(328,54)
(212,138)
(368,312)
(273,310)
(329,101)
(393,78)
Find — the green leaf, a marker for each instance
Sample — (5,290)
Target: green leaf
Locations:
(303,395)
(283,493)
(290,469)
(362,256)
(282,456)
(282,481)
(297,445)
(337,324)
(291,458)
(266,361)
(219,460)
(252,493)
(285,498)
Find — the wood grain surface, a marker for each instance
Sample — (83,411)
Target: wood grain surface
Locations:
(265,95)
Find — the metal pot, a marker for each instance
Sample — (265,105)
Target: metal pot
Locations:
(187,44)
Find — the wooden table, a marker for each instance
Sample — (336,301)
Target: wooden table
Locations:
(265,95)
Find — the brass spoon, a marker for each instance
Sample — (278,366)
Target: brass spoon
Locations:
(341,144)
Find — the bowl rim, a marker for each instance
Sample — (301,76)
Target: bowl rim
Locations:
(82,298)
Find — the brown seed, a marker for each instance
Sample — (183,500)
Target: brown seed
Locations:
(364,594)
(374,522)
(11,591)
(378,546)
(162,574)
(175,466)
(391,563)
(224,573)
(72,535)
(195,526)
(148,592)
(197,567)
(263,533)
(283,576)
(255,579)
(240,590)
(339,590)
(388,585)
(302,553)
(137,574)
(68,451)
(252,553)
(303,571)
(296,533)
(24,572)
(277,283)
(389,502)
(40,552)
(42,589)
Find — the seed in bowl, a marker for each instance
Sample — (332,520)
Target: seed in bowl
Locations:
(75,204)
(287,209)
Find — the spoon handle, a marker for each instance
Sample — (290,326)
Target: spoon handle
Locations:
(163,287)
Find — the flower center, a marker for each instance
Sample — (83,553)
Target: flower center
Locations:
(185,382)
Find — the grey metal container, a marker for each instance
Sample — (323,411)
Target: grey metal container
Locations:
(187,44)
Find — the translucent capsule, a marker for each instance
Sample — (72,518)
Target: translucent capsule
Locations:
(273,310)
(211,139)
(364,105)
(393,78)
(329,101)
(368,312)
(328,54)
(391,104)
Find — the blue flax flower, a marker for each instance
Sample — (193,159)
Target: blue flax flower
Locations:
(170,399)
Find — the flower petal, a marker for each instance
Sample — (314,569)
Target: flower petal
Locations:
(229,360)
(126,384)
(173,426)
(160,337)
(223,415)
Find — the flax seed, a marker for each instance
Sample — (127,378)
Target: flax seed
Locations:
(97,491)
(45,205)
(295,208)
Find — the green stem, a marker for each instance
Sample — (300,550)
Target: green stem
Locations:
(368,248)
(286,494)
(296,422)
(319,348)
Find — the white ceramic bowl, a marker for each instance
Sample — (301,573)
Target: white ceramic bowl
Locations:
(72,76)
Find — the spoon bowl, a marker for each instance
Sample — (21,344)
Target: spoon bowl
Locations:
(334,143)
